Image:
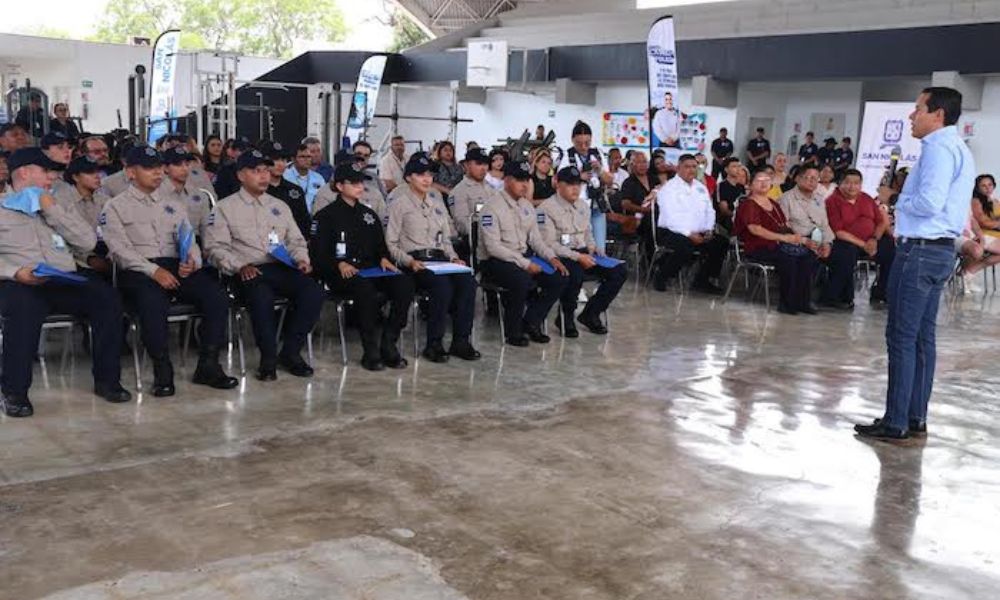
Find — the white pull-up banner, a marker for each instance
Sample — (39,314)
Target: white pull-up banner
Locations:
(162,101)
(365,98)
(665,116)
(885,127)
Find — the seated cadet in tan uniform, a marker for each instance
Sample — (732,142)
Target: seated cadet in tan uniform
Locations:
(141,229)
(179,186)
(509,237)
(566,228)
(48,233)
(470,195)
(83,196)
(419,231)
(371,194)
(242,232)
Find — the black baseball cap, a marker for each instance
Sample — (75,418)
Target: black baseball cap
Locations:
(569,175)
(418,164)
(80,164)
(477,155)
(32,156)
(53,138)
(518,169)
(351,172)
(275,150)
(252,159)
(176,156)
(144,156)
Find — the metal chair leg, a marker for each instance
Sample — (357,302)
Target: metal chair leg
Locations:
(732,280)
(67,342)
(414,320)
(309,347)
(134,328)
(238,335)
(767,289)
(503,331)
(340,330)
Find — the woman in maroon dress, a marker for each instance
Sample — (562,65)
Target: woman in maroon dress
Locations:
(763,230)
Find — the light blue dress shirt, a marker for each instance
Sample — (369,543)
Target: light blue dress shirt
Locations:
(311,182)
(937,196)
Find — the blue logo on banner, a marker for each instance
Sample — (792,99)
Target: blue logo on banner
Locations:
(893,132)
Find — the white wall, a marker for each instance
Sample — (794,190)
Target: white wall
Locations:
(986,129)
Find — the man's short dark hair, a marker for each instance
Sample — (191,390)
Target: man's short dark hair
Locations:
(808,167)
(760,130)
(810,134)
(723,130)
(361,143)
(397,137)
(846,139)
(302,148)
(684,157)
(946,99)
(729,161)
(854,172)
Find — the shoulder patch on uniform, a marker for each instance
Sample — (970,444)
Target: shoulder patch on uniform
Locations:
(541,218)
(275,211)
(486,220)
(169,209)
(211,218)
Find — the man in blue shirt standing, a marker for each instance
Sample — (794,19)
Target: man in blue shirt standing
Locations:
(301,174)
(931,211)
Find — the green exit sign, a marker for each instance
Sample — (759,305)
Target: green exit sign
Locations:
(87,83)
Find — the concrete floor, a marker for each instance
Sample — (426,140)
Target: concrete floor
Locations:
(700,451)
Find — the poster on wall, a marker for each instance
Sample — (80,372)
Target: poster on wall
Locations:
(693,132)
(162,103)
(885,131)
(665,114)
(625,130)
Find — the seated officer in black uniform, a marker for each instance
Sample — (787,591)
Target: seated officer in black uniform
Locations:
(49,235)
(243,232)
(347,238)
(141,227)
(285,190)
(565,225)
(419,231)
(509,238)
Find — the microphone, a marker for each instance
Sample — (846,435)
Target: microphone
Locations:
(894,155)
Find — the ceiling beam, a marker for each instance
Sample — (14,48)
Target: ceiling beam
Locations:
(420,17)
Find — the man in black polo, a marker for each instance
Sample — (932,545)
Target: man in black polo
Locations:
(808,151)
(758,150)
(722,149)
(825,154)
(842,157)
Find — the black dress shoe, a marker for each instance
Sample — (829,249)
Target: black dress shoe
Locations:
(435,352)
(163,390)
(17,406)
(535,334)
(372,364)
(295,365)
(567,327)
(112,392)
(395,362)
(267,371)
(809,310)
(464,350)
(593,323)
(837,305)
(659,285)
(163,378)
(880,431)
(917,429)
(519,341)
(213,376)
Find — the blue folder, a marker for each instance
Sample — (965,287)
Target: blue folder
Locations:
(50,272)
(281,253)
(544,264)
(607,262)
(185,239)
(373,272)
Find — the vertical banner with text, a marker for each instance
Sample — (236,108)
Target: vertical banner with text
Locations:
(162,101)
(665,116)
(365,98)
(885,131)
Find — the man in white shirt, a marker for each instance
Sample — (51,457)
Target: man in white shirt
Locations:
(684,226)
(667,123)
(390,170)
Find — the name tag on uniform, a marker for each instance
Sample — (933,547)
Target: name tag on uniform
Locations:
(58,242)
(341,250)
(564,239)
(272,238)
(479,206)
(438,239)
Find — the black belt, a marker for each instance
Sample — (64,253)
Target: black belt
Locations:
(928,241)
(429,255)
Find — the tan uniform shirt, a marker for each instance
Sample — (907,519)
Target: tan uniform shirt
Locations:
(416,224)
(805,214)
(566,226)
(51,236)
(115,184)
(138,227)
(508,228)
(391,168)
(465,197)
(192,198)
(240,229)
(372,198)
(89,210)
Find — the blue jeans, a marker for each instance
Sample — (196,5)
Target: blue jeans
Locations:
(916,280)
(599,223)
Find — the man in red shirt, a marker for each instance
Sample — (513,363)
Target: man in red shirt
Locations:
(860,227)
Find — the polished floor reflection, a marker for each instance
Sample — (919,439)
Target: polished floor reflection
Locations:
(699,451)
